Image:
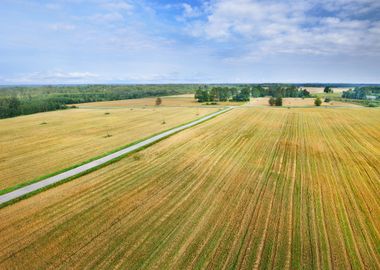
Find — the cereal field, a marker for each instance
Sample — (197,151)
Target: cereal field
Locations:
(40,144)
(253,188)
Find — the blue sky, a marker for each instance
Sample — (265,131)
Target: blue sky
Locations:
(152,41)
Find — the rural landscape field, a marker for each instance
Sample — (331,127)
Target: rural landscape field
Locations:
(65,138)
(289,189)
(197,134)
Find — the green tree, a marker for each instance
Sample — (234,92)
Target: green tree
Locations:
(255,92)
(328,90)
(317,102)
(202,95)
(272,101)
(279,101)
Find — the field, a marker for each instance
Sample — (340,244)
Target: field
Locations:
(40,144)
(316,90)
(253,188)
(180,100)
(170,101)
(299,102)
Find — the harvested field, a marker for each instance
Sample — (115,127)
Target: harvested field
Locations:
(40,144)
(299,102)
(316,90)
(253,188)
(169,101)
(166,101)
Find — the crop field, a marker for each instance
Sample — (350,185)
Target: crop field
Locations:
(40,144)
(299,102)
(180,100)
(253,188)
(169,101)
(316,90)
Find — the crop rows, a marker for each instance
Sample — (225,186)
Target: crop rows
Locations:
(253,188)
(40,144)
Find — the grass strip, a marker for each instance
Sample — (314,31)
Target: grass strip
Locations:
(10,189)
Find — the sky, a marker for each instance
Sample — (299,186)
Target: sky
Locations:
(216,41)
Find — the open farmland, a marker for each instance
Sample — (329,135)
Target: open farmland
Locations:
(170,101)
(316,90)
(180,100)
(299,102)
(40,144)
(253,188)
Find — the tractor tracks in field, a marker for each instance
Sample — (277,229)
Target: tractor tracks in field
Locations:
(98,163)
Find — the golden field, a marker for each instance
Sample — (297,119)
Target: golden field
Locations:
(186,100)
(316,90)
(40,144)
(251,189)
(180,100)
(298,102)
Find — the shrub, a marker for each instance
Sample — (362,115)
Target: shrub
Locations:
(317,102)
(279,101)
(272,101)
(327,100)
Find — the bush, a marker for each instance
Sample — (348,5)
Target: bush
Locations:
(372,105)
(272,101)
(327,100)
(317,102)
(279,101)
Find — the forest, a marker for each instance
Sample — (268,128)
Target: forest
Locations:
(22,100)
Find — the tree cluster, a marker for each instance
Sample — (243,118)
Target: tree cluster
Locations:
(361,93)
(243,93)
(206,94)
(328,90)
(275,101)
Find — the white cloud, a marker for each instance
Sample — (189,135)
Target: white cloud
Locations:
(269,27)
(61,27)
(189,11)
(107,17)
(118,5)
(54,77)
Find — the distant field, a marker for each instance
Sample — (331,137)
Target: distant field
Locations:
(182,100)
(299,102)
(179,100)
(315,90)
(40,144)
(254,188)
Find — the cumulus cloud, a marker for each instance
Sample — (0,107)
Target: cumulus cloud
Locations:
(267,27)
(189,11)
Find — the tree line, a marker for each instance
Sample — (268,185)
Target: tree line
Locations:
(22,100)
(362,92)
(218,93)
